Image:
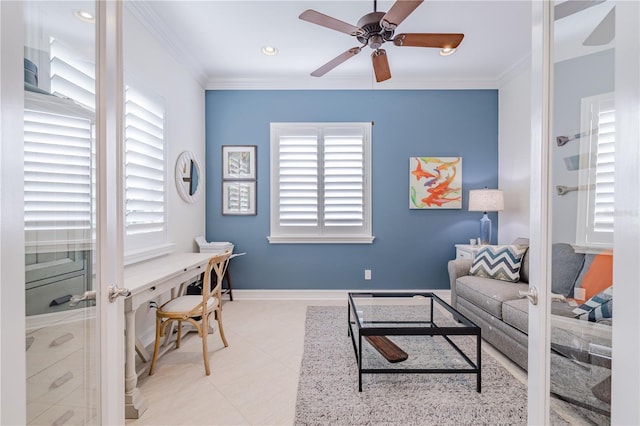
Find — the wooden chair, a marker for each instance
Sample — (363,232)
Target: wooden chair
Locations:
(196,309)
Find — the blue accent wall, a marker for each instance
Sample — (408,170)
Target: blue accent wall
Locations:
(411,247)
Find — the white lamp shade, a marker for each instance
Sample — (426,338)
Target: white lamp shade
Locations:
(486,200)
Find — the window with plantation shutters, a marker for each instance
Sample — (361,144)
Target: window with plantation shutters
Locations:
(145,171)
(597,171)
(58,138)
(320,183)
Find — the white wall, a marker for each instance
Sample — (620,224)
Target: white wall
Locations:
(148,63)
(514,153)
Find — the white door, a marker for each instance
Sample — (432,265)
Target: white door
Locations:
(585,135)
(68,211)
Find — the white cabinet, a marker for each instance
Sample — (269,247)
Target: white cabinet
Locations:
(466,251)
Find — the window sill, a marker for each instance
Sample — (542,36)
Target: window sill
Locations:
(310,239)
(140,255)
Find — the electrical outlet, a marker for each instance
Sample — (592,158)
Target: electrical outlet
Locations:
(367,274)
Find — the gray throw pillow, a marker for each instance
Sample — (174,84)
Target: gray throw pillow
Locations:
(565,266)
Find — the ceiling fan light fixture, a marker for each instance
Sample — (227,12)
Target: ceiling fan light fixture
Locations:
(269,50)
(446,51)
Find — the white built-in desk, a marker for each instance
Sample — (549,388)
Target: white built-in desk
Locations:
(146,281)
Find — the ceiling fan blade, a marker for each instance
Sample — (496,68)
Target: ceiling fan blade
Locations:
(381,65)
(398,13)
(336,61)
(329,22)
(569,7)
(604,32)
(428,40)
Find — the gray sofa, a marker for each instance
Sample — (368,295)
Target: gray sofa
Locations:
(496,307)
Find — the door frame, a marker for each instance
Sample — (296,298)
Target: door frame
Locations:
(12,288)
(625,370)
(110,316)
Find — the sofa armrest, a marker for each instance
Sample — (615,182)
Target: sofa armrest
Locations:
(457,268)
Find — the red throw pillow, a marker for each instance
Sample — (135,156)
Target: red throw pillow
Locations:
(599,276)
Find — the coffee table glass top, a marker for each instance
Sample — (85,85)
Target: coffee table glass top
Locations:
(406,311)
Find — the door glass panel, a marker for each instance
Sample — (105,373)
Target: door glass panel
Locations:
(583,165)
(59,209)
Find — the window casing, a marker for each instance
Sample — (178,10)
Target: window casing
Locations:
(321,183)
(594,225)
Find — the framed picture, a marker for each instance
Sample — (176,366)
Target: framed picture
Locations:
(238,162)
(435,182)
(239,197)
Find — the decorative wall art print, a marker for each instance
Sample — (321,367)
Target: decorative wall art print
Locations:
(238,162)
(435,182)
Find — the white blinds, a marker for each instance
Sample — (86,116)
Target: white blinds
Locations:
(72,77)
(319,175)
(57,172)
(596,180)
(344,177)
(605,167)
(145,202)
(298,179)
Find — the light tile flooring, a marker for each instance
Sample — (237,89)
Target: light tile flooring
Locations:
(253,381)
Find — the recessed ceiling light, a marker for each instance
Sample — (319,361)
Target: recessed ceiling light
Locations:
(84,16)
(269,50)
(446,51)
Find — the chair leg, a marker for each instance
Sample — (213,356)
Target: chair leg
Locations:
(205,335)
(156,347)
(219,318)
(178,338)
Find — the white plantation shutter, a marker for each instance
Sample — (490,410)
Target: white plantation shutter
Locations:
(57,170)
(298,179)
(344,177)
(145,171)
(319,182)
(596,200)
(71,76)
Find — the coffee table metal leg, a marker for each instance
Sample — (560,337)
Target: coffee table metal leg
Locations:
(359,363)
(479,363)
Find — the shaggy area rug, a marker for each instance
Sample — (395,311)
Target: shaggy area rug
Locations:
(328,384)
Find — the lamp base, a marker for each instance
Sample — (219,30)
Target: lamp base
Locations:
(485,230)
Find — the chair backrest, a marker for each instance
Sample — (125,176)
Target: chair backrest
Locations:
(218,266)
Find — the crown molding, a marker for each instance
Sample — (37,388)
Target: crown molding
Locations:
(354,83)
(158,28)
(515,70)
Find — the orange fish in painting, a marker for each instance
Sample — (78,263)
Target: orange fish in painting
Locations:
(438,194)
(419,173)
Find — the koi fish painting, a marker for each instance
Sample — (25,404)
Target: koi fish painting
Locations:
(435,182)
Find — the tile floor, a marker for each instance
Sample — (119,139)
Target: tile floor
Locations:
(253,381)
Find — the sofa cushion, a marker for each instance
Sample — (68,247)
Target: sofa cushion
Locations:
(487,293)
(499,262)
(565,267)
(516,314)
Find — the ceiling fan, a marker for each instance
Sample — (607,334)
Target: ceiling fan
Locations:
(376,28)
(603,33)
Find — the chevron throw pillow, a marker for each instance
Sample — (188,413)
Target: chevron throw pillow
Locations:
(597,308)
(499,262)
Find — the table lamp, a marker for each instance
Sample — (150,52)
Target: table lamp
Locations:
(485,200)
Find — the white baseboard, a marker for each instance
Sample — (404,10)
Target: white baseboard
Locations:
(319,294)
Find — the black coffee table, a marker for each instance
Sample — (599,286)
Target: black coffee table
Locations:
(383,326)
